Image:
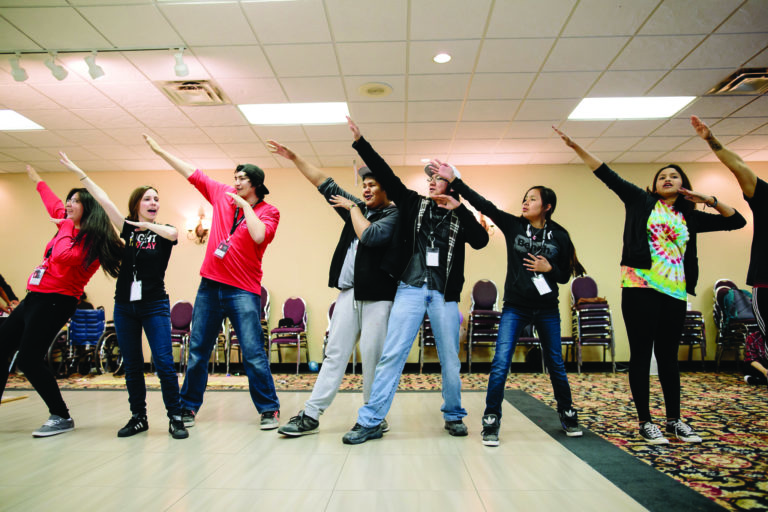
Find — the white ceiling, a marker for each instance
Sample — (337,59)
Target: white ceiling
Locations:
(518,67)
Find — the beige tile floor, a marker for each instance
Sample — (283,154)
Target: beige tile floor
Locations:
(229,464)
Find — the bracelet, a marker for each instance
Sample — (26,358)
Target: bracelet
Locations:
(353,205)
(713,205)
(84,178)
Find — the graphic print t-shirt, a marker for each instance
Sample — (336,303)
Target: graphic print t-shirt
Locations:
(146,254)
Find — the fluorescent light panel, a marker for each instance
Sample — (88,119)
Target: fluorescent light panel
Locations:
(295,113)
(630,108)
(11,120)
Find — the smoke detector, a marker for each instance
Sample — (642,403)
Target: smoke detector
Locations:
(193,93)
(744,81)
(375,89)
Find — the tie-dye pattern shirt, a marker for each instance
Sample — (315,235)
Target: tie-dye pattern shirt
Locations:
(667,236)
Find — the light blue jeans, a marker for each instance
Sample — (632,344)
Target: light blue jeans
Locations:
(404,321)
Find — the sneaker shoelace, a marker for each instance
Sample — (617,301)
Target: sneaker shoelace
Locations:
(652,430)
(682,428)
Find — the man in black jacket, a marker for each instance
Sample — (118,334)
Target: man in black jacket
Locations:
(363,305)
(428,262)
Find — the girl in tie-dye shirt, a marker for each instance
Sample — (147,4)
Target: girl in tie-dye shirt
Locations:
(659,269)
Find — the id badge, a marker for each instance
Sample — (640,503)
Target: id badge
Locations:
(37,276)
(135,291)
(433,257)
(221,250)
(541,284)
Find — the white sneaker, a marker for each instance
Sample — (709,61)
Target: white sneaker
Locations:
(54,426)
(652,433)
(682,431)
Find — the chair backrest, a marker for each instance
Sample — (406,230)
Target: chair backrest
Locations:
(181,315)
(484,295)
(725,282)
(583,287)
(264,304)
(86,326)
(296,309)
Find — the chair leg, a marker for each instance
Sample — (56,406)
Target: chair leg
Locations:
(469,357)
(298,353)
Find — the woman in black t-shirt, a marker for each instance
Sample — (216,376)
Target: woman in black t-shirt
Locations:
(142,302)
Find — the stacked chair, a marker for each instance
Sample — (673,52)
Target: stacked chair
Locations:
(731,332)
(591,320)
(484,318)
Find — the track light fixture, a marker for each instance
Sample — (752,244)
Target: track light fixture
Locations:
(180,68)
(17,72)
(94,69)
(58,71)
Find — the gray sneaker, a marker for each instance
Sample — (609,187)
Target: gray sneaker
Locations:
(456,428)
(360,434)
(54,426)
(270,420)
(299,425)
(491,430)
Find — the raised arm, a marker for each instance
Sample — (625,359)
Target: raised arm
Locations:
(167,232)
(185,168)
(51,202)
(96,191)
(312,173)
(744,175)
(256,228)
(588,158)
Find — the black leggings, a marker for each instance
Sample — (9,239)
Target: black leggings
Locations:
(30,330)
(654,323)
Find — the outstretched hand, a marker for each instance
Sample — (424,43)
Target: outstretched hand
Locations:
(153,145)
(702,130)
(354,128)
(278,149)
(568,141)
(342,202)
(446,202)
(140,225)
(58,221)
(695,197)
(69,164)
(32,173)
(442,169)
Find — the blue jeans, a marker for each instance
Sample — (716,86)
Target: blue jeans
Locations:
(214,302)
(404,321)
(155,317)
(547,323)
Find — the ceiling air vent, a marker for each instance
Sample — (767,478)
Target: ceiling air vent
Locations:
(744,81)
(193,93)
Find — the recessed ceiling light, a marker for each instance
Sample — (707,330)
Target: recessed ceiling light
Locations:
(11,120)
(441,58)
(425,160)
(295,113)
(660,107)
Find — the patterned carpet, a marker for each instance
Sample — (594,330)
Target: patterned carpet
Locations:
(729,467)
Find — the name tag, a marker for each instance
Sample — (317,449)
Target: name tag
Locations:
(541,284)
(135,291)
(433,257)
(37,276)
(221,250)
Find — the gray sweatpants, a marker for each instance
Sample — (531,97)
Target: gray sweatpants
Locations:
(366,320)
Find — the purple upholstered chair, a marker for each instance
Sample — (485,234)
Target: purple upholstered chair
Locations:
(181,322)
(295,312)
(591,323)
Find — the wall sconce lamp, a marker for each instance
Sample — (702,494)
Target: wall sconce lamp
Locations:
(197,228)
(487,224)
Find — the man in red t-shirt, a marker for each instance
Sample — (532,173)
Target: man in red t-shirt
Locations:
(242,227)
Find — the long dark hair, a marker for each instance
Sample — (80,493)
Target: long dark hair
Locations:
(549,198)
(135,200)
(681,204)
(97,235)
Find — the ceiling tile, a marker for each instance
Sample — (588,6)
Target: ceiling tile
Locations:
(489,110)
(88,138)
(625,83)
(509,146)
(513,55)
(29,154)
(56,119)
(12,39)
(132,26)
(481,130)
(254,90)
(758,107)
(494,86)
(334,132)
(612,144)
(281,133)
(394,147)
(683,156)
(216,164)
(244,150)
(689,82)
(210,24)
(737,126)
(639,157)
(529,129)
(721,51)
(655,52)
(371,58)
(433,110)
(584,128)
(115,151)
(551,158)
(749,142)
(584,54)
(443,19)
(300,22)
(540,110)
(677,126)
(302,60)
(73,95)
(625,17)
(336,148)
(472,146)
(760,61)
(58,28)
(757,156)
(314,89)
(562,85)
(349,24)
(219,115)
(159,65)
(463,56)
(659,143)
(19,97)
(678,17)
(336,161)
(234,61)
(378,111)
(181,135)
(107,117)
(529,18)
(41,138)
(7,141)
(199,151)
(134,95)
(232,134)
(354,83)
(430,131)
(713,107)
(437,87)
(385,132)
(428,147)
(162,117)
(749,18)
(632,128)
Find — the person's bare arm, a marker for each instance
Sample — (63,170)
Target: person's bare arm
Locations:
(184,168)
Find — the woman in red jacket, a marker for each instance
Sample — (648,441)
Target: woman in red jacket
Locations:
(84,240)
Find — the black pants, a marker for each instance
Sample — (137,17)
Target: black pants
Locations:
(654,324)
(30,330)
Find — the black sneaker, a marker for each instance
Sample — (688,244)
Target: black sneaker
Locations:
(299,425)
(491,430)
(569,420)
(652,433)
(384,426)
(682,431)
(270,420)
(177,429)
(456,428)
(360,434)
(188,417)
(137,423)
(750,380)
